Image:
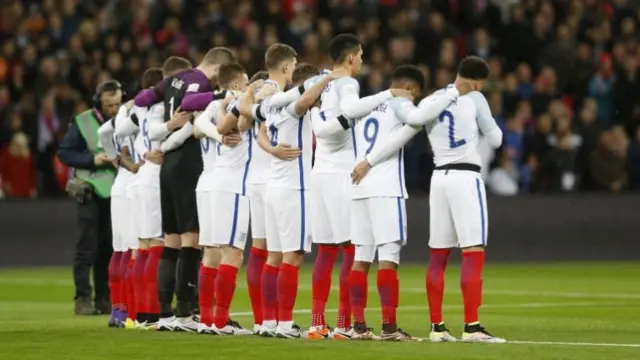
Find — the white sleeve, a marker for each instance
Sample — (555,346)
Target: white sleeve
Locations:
(351,105)
(158,131)
(391,146)
(124,126)
(324,127)
(105,134)
(178,138)
(431,107)
(486,123)
(203,121)
(282,99)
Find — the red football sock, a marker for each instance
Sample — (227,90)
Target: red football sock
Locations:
(132,311)
(257,258)
(321,282)
(344,308)
(206,286)
(138,281)
(115,279)
(435,282)
(122,269)
(225,288)
(471,284)
(287,291)
(151,280)
(269,292)
(358,287)
(388,289)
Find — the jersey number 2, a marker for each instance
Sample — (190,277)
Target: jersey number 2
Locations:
(448,116)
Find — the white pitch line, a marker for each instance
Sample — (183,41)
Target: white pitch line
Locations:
(241,285)
(485,306)
(562,343)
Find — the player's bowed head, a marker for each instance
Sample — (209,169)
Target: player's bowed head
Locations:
(472,73)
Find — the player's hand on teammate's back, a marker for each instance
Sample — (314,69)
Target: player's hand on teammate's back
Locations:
(137,166)
(232,139)
(402,93)
(285,152)
(360,171)
(129,104)
(178,119)
(101,159)
(154,156)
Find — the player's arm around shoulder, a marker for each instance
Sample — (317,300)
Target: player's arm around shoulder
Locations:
(486,123)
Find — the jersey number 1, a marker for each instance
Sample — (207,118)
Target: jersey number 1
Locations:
(448,116)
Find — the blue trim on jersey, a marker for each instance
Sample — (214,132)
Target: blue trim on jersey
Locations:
(400,220)
(246,169)
(353,137)
(234,224)
(400,172)
(301,172)
(482,218)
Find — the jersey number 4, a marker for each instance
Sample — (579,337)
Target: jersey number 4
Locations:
(448,116)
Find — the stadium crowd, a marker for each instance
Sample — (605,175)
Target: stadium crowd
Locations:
(564,85)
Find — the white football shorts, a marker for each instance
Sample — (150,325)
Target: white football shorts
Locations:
(230,220)
(120,222)
(288,222)
(146,204)
(377,221)
(458,210)
(330,197)
(205,216)
(258,217)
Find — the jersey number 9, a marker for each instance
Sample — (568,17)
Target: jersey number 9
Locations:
(448,116)
(273,135)
(371,127)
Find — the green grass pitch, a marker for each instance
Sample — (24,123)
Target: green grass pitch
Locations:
(584,311)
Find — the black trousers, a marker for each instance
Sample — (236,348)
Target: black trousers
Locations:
(94,248)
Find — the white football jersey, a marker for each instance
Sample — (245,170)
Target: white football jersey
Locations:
(260,159)
(208,146)
(288,128)
(231,168)
(124,176)
(386,179)
(335,154)
(454,136)
(149,173)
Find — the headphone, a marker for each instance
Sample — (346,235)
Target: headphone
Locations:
(107,86)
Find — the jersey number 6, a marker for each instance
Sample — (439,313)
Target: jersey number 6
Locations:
(273,135)
(448,116)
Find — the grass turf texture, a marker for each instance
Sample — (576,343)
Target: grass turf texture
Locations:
(595,303)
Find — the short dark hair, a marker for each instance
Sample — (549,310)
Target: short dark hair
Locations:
(219,56)
(473,67)
(278,53)
(151,77)
(175,64)
(304,71)
(343,45)
(409,72)
(260,75)
(228,72)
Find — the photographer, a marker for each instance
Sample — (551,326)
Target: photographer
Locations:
(91,187)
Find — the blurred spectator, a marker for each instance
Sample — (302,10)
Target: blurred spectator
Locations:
(608,162)
(585,53)
(17,168)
